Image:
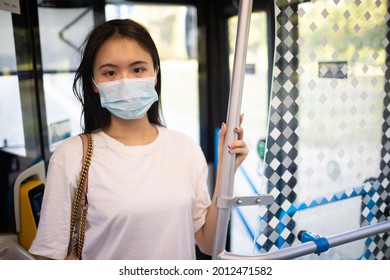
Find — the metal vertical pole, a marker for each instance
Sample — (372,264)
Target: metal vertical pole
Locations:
(233,119)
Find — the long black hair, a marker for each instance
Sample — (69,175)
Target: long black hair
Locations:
(96,117)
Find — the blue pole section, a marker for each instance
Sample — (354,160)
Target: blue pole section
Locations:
(321,242)
(233,120)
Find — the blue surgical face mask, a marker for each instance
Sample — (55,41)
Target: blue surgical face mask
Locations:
(128,98)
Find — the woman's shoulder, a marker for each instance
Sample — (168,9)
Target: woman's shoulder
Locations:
(69,148)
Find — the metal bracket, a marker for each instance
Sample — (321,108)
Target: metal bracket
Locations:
(261,199)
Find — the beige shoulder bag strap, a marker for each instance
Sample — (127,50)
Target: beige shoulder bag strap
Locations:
(80,203)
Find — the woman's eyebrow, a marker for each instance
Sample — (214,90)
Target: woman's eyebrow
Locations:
(137,63)
(108,65)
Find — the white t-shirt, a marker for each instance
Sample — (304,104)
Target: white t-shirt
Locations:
(145,202)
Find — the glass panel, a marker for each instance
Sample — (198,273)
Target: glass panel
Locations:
(11,124)
(327,157)
(341,123)
(255,108)
(62,32)
(174,30)
(349,141)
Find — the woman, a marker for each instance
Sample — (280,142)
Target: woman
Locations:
(147,191)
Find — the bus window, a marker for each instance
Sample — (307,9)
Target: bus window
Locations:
(62,32)
(11,124)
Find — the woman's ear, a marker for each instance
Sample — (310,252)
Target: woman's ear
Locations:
(156,73)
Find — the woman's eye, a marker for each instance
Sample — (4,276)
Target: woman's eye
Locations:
(138,70)
(109,74)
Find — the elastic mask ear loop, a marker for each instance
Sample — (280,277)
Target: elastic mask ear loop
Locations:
(93,81)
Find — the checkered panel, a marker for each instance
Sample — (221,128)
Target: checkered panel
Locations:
(329,120)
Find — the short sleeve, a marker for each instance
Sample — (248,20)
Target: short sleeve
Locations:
(52,237)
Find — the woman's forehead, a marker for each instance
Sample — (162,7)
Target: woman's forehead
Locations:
(121,49)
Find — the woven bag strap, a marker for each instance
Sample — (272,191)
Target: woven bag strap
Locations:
(82,186)
(87,155)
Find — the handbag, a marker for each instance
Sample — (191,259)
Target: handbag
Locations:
(80,203)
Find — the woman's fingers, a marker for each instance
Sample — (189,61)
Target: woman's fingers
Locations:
(237,147)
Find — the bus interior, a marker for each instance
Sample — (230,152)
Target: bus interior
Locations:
(316,99)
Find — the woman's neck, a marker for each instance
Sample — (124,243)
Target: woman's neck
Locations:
(132,132)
